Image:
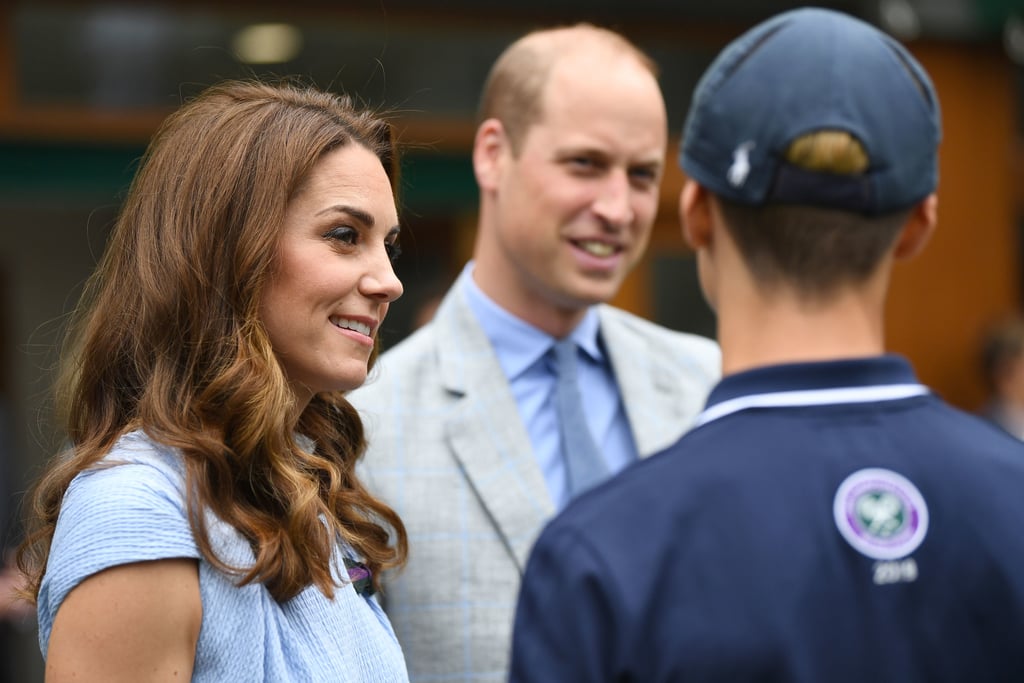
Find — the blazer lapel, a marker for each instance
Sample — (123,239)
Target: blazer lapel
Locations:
(485,432)
(650,380)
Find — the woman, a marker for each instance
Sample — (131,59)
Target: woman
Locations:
(202,523)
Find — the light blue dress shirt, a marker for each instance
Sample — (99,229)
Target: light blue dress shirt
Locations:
(521,350)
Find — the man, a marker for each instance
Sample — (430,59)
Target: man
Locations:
(461,420)
(1002,362)
(829,518)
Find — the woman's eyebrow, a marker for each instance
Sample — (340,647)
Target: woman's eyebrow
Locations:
(358,214)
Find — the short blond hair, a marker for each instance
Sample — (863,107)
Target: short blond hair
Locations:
(828,151)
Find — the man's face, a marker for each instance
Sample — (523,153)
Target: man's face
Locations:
(574,207)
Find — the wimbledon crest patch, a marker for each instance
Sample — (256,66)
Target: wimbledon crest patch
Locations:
(880,513)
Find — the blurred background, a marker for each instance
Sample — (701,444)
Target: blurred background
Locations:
(84,84)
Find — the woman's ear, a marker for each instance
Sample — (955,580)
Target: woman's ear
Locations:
(918,229)
(695,215)
(488,145)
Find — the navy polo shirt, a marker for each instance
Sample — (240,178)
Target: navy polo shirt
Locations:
(830,521)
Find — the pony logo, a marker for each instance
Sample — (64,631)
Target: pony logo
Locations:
(740,168)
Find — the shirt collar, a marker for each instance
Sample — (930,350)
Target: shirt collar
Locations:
(519,344)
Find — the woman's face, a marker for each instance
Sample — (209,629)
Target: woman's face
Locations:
(333,278)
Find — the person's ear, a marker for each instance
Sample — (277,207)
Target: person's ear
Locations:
(488,146)
(695,215)
(918,229)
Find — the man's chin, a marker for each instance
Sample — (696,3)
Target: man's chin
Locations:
(596,293)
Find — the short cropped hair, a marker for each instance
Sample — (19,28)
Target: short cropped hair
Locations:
(817,250)
(514,89)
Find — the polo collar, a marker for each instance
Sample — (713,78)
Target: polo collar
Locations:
(860,380)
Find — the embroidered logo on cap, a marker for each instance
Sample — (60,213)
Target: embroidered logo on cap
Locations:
(880,513)
(740,168)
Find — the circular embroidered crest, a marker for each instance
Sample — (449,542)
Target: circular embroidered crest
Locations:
(880,513)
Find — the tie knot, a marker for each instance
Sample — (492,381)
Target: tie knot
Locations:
(565,358)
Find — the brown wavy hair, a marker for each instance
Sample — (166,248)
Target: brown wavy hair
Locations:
(168,338)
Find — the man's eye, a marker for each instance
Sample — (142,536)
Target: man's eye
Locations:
(643,178)
(393,249)
(582,162)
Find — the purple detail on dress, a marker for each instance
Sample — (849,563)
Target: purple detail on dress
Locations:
(361,577)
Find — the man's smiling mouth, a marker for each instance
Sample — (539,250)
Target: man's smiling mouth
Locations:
(596,248)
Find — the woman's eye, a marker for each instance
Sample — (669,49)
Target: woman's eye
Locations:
(394,250)
(344,235)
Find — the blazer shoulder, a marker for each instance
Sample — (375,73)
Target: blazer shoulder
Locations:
(409,363)
(412,349)
(702,350)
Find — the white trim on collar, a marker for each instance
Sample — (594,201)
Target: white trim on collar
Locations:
(812,397)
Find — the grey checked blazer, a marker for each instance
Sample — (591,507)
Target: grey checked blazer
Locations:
(449,452)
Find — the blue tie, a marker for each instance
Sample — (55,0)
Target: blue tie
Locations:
(584,464)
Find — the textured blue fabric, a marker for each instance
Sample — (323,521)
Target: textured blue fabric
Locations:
(134,510)
(721,558)
(583,461)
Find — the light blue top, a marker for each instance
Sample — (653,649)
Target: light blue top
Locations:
(520,348)
(135,511)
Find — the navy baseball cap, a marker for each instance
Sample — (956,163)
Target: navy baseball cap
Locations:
(806,70)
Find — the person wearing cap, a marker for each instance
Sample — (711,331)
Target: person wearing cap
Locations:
(828,518)
(463,421)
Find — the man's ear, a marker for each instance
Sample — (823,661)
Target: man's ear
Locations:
(919,228)
(488,146)
(695,215)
